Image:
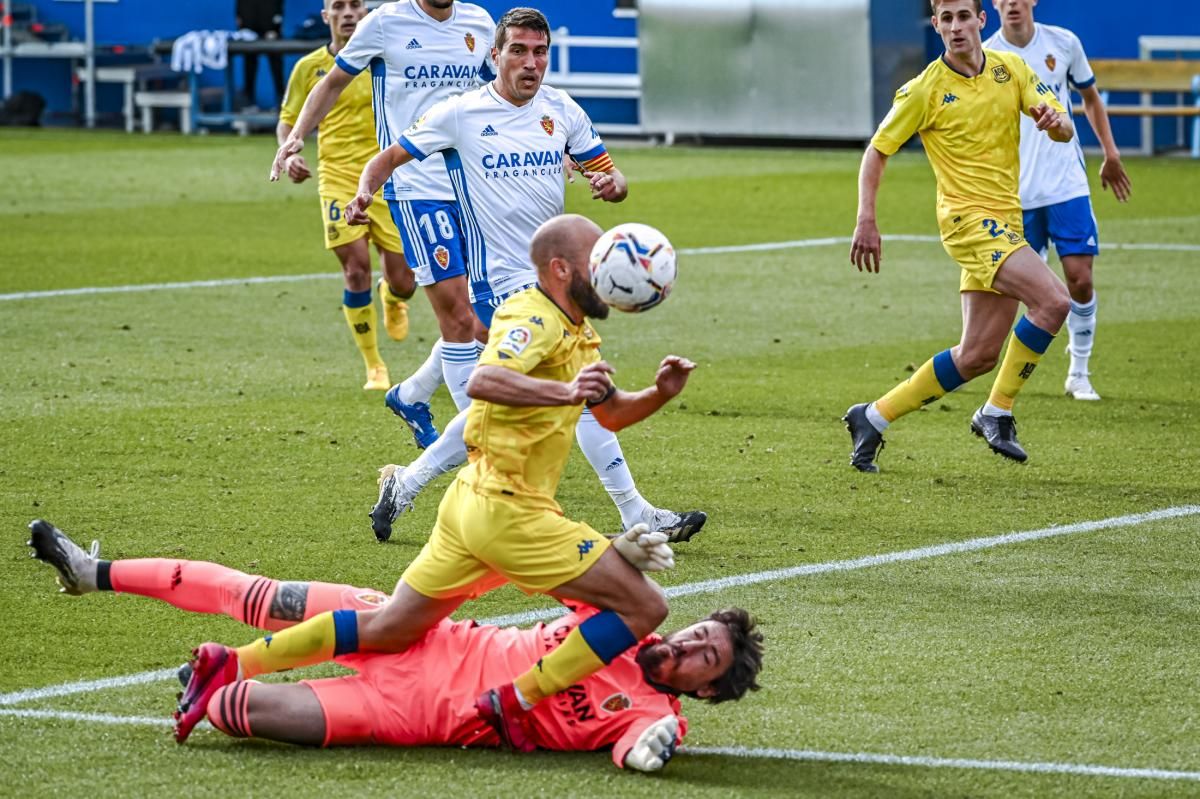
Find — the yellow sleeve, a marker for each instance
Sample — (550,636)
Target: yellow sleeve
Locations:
(519,341)
(296,94)
(1033,90)
(906,118)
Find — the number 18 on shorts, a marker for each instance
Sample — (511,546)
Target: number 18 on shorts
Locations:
(433,240)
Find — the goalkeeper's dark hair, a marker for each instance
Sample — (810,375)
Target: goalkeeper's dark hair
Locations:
(527,18)
(747,641)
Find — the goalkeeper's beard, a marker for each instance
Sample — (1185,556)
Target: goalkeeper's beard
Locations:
(650,658)
(583,295)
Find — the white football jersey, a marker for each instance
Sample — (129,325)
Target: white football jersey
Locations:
(506,165)
(417,61)
(1051,172)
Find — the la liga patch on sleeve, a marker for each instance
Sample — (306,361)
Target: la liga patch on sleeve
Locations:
(516,340)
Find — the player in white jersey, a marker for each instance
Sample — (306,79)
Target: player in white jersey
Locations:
(506,146)
(419,52)
(1054,185)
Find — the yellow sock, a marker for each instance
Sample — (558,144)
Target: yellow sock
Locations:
(931,382)
(319,639)
(1026,346)
(362,323)
(386,293)
(561,668)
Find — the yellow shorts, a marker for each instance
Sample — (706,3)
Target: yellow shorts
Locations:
(480,542)
(980,244)
(381,228)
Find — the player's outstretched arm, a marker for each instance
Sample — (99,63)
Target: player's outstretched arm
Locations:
(620,409)
(316,106)
(866,249)
(374,175)
(1112,171)
(502,386)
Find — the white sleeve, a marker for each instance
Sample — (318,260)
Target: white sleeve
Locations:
(365,45)
(583,142)
(434,131)
(1079,74)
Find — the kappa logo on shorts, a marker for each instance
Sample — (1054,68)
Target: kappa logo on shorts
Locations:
(442,256)
(516,340)
(997,255)
(616,703)
(585,546)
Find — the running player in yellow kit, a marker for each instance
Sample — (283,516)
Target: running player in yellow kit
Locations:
(345,143)
(967,108)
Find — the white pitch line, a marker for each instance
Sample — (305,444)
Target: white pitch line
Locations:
(86,686)
(807,755)
(734,248)
(939,762)
(705,587)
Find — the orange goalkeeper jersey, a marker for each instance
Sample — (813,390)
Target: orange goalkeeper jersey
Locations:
(427,694)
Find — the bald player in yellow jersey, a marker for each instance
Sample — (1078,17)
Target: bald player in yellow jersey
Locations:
(967,108)
(345,143)
(499,521)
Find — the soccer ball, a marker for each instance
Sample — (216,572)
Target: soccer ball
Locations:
(633,267)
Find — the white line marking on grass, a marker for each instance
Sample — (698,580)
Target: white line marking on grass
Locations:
(734,248)
(938,762)
(85,686)
(190,284)
(703,587)
(806,755)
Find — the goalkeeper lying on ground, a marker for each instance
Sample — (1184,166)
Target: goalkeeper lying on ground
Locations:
(631,705)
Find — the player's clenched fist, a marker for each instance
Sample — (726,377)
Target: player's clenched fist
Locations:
(654,746)
(593,383)
(356,209)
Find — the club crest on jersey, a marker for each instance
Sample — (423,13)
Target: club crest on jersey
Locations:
(1050,61)
(442,256)
(470,40)
(548,125)
(616,703)
(371,598)
(516,340)
(1000,73)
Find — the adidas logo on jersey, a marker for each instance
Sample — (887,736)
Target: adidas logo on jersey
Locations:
(413,45)
(489,131)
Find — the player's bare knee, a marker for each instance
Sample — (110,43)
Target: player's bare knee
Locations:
(649,609)
(458,324)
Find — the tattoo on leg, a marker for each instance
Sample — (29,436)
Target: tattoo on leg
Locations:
(290,602)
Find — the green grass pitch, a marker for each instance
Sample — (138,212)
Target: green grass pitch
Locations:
(227,423)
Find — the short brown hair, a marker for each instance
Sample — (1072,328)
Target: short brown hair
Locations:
(527,18)
(747,655)
(933,6)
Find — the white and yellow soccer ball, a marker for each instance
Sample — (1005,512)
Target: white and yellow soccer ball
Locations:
(633,267)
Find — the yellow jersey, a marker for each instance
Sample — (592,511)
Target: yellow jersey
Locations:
(346,136)
(971,129)
(520,452)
